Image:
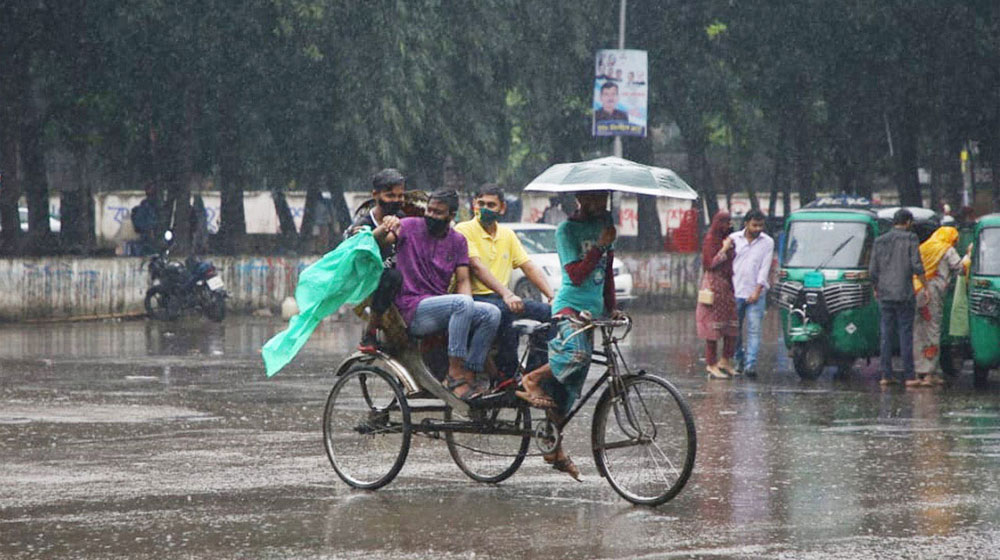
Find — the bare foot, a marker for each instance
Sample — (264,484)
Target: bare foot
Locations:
(533,392)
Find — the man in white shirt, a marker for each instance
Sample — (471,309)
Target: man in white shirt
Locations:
(751,267)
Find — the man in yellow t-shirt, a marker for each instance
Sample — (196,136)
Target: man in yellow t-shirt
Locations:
(494,252)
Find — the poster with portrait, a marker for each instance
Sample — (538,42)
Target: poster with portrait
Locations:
(620,93)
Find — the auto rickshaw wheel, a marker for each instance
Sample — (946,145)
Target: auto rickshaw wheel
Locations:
(844,367)
(982,374)
(952,359)
(809,359)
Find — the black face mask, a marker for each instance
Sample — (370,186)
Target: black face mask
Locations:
(389,208)
(435,226)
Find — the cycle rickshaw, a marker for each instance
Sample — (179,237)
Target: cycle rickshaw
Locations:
(643,433)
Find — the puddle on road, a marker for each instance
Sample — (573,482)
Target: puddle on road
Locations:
(64,413)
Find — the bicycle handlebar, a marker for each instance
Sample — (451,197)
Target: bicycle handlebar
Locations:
(586,320)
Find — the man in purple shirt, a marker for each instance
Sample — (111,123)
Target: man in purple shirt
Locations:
(751,267)
(428,253)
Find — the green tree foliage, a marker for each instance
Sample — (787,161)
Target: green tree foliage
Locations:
(781,97)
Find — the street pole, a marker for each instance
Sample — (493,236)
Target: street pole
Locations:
(621,45)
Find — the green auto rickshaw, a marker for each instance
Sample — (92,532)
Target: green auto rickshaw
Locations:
(828,312)
(984,297)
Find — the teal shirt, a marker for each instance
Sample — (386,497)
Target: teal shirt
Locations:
(573,240)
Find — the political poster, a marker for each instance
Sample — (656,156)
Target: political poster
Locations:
(620,93)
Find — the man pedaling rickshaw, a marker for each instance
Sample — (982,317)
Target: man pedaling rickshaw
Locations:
(586,252)
(428,253)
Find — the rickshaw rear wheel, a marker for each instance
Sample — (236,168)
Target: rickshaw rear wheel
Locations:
(809,359)
(644,439)
(366,427)
(952,359)
(982,375)
(495,452)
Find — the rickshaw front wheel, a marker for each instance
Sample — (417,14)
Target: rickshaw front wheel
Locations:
(644,439)
(366,427)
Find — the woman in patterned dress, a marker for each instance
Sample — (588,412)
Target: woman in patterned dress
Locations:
(718,320)
(940,261)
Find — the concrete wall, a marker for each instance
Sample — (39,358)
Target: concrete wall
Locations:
(38,289)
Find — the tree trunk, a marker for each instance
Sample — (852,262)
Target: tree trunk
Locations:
(10,164)
(180,184)
(698,163)
(779,158)
(906,163)
(995,166)
(803,165)
(650,237)
(232,228)
(40,239)
(313,199)
(286,222)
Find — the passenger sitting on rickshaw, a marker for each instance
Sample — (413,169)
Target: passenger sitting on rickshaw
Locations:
(428,254)
(494,252)
(388,188)
(586,253)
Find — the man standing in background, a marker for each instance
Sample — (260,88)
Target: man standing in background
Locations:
(751,268)
(895,260)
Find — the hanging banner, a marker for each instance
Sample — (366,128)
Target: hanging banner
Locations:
(620,93)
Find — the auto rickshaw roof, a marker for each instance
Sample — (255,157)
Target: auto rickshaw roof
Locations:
(919,213)
(987,221)
(832,214)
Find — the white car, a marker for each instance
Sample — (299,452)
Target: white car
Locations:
(539,240)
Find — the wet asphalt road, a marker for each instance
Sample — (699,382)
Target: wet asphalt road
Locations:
(146,440)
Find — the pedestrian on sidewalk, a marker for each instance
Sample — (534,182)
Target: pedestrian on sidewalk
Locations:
(895,261)
(751,269)
(715,314)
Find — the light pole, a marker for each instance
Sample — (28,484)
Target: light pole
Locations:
(621,46)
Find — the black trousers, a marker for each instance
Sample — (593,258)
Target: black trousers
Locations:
(388,287)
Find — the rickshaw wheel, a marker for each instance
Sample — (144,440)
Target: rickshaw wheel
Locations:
(644,439)
(494,452)
(952,359)
(809,359)
(366,427)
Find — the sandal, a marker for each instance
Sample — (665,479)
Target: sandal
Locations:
(473,392)
(565,465)
(538,401)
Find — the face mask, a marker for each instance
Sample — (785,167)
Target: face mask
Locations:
(487,216)
(390,208)
(435,226)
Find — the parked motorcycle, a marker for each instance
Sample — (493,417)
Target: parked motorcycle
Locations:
(177,286)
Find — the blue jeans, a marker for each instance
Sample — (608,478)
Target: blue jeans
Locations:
(753,315)
(896,320)
(506,358)
(459,314)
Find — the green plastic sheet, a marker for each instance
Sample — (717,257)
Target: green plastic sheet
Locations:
(346,275)
(959,322)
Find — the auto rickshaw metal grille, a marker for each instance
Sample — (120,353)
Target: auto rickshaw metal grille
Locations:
(842,296)
(982,302)
(786,293)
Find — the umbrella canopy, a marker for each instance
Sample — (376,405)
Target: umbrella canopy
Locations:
(612,174)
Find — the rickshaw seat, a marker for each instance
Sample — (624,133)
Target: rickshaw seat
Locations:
(530,326)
